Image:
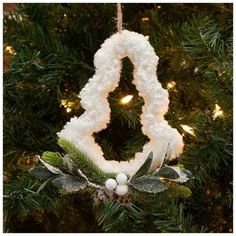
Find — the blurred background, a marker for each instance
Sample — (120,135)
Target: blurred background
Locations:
(48,58)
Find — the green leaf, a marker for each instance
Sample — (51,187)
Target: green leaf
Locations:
(41,172)
(53,158)
(144,168)
(167,173)
(69,183)
(150,184)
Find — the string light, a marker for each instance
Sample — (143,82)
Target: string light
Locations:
(67,105)
(145,19)
(63,102)
(126,99)
(188,129)
(10,50)
(70,104)
(68,109)
(171,85)
(217,112)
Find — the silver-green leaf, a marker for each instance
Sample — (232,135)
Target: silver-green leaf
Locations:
(51,168)
(69,183)
(183,174)
(144,168)
(149,184)
(167,173)
(41,172)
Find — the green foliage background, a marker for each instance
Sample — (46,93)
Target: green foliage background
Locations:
(55,45)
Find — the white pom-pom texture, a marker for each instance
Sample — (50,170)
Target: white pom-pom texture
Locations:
(108,63)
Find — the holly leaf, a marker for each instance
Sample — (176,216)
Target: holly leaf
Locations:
(144,168)
(41,172)
(69,183)
(167,173)
(150,184)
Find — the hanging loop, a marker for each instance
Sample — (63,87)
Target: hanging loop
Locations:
(119,17)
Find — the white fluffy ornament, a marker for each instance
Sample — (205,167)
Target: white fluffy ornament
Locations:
(108,63)
(110,184)
(121,190)
(121,178)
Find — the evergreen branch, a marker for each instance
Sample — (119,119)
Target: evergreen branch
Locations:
(90,169)
(53,158)
(178,190)
(173,219)
(116,217)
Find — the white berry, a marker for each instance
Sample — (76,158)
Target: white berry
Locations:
(110,184)
(121,190)
(121,178)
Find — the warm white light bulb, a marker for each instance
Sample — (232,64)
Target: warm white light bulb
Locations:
(126,99)
(10,50)
(68,110)
(217,112)
(171,85)
(188,129)
(63,102)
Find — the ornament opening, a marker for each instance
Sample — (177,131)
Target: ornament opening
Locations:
(107,61)
(129,104)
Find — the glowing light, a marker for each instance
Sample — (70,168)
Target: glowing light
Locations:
(70,104)
(63,102)
(195,70)
(67,105)
(159,7)
(183,63)
(64,15)
(217,112)
(68,109)
(126,99)
(171,85)
(188,129)
(10,50)
(145,19)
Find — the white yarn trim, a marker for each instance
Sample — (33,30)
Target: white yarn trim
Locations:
(108,63)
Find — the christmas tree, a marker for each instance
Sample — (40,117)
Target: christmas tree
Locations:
(48,59)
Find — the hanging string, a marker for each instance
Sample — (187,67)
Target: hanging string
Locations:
(119,17)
